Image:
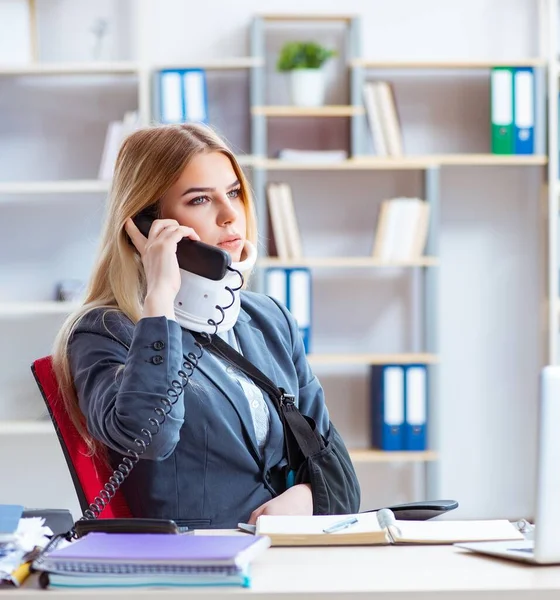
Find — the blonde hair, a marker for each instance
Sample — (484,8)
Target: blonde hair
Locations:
(149,162)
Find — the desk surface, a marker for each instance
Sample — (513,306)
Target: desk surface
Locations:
(347,573)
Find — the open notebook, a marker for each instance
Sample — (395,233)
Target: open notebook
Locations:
(379,527)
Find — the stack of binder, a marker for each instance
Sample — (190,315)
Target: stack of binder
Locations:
(183,96)
(151,559)
(513,110)
(399,407)
(292,288)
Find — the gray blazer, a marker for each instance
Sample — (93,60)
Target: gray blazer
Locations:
(203,468)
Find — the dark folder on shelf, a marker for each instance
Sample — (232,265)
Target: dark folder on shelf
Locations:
(416,407)
(387,407)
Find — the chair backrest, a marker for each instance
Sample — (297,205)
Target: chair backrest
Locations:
(89,473)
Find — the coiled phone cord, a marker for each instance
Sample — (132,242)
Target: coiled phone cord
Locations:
(174,392)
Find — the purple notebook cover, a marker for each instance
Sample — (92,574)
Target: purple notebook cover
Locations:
(157,548)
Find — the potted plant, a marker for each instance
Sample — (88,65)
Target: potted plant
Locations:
(304,61)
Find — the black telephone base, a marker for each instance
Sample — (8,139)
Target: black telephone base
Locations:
(127,526)
(421,511)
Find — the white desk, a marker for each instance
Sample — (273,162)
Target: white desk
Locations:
(350,573)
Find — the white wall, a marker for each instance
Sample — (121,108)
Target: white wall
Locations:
(492,246)
(34,473)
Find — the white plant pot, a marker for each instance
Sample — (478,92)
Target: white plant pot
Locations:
(307,87)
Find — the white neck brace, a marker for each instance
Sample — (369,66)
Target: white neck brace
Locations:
(197,299)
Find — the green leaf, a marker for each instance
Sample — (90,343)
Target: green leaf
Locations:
(303,55)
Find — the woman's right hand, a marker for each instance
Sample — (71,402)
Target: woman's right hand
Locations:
(159,257)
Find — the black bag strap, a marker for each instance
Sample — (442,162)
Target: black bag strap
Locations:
(301,438)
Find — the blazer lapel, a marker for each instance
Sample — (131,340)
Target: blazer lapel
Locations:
(209,366)
(254,349)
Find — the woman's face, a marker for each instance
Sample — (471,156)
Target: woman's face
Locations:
(207,198)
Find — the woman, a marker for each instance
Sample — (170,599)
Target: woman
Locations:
(218,458)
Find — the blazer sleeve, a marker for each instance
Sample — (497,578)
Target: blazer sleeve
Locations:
(311,395)
(121,372)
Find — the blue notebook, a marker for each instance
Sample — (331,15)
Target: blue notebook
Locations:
(82,580)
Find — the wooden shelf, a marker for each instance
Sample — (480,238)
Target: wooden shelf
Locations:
(434,160)
(67,186)
(76,186)
(347,262)
(369,456)
(446,64)
(307,17)
(404,162)
(308,111)
(246,160)
(22,309)
(26,428)
(125,68)
(243,62)
(275,164)
(482,160)
(85,68)
(372,359)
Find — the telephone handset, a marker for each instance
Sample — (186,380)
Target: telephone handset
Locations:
(212,263)
(197,257)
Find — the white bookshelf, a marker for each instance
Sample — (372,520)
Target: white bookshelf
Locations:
(268,168)
(60,199)
(432,165)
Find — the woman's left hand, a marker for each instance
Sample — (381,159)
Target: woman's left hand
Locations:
(297,500)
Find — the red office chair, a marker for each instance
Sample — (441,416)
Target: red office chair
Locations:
(89,473)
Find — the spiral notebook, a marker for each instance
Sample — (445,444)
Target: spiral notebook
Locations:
(136,559)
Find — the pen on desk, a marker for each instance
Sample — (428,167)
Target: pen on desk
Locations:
(340,525)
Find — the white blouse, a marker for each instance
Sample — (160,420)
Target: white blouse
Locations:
(259,408)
